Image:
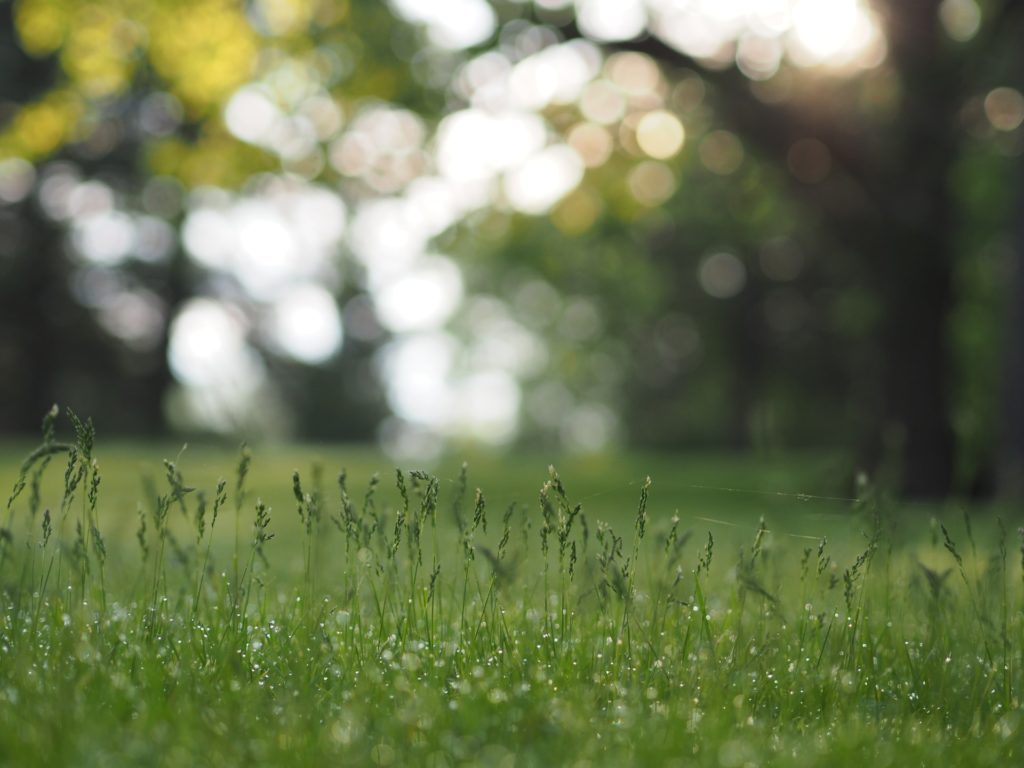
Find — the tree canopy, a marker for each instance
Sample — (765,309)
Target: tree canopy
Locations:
(772,223)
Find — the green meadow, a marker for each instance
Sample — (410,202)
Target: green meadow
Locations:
(211,605)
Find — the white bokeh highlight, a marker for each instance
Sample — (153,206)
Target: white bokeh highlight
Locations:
(451,24)
(305,324)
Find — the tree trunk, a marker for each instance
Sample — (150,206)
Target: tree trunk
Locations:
(914,264)
(1011,465)
(916,403)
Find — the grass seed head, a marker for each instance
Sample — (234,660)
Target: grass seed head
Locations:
(219,500)
(641,510)
(704,561)
(47,527)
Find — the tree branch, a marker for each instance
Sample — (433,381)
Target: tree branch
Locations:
(773,128)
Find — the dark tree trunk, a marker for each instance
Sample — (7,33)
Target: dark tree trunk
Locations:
(1011,464)
(1010,467)
(28,346)
(52,349)
(916,407)
(25,267)
(914,263)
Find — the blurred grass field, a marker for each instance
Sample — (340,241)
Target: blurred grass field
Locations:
(735,611)
(803,495)
(804,498)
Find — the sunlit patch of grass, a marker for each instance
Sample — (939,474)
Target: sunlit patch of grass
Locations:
(313,617)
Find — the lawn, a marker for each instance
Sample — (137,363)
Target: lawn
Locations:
(725,612)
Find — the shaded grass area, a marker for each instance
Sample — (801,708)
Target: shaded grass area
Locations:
(224,608)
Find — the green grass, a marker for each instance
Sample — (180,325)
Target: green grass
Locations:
(724,614)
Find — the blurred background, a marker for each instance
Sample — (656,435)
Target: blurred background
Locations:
(767,226)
